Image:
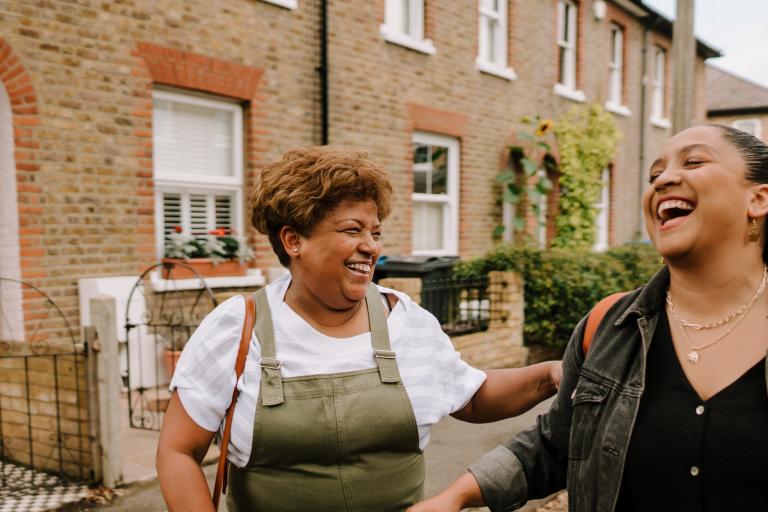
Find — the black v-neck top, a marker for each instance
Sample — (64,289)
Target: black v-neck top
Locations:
(686,454)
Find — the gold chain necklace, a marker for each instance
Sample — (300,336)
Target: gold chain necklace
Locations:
(694,355)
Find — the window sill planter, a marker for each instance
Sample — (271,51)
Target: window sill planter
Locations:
(205,267)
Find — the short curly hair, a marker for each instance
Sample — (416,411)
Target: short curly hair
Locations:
(302,187)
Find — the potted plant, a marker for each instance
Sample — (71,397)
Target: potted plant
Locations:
(215,254)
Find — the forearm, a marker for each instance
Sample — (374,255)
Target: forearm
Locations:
(510,392)
(182,482)
(462,493)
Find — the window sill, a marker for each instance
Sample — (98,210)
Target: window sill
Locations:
(660,122)
(288,4)
(494,69)
(570,94)
(420,45)
(621,110)
(252,278)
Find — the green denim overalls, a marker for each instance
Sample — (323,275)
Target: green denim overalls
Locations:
(330,443)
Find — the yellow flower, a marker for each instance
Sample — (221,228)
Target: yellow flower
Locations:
(544,127)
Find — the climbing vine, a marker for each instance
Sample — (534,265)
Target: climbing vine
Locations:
(586,142)
(525,181)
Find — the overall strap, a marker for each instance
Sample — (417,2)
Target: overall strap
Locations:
(220,483)
(271,380)
(385,358)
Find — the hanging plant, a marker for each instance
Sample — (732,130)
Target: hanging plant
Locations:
(586,141)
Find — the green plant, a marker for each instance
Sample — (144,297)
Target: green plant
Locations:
(525,180)
(216,245)
(586,141)
(561,286)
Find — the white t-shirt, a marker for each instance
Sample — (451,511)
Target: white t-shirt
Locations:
(436,380)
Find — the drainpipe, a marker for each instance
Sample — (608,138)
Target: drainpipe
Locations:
(322,70)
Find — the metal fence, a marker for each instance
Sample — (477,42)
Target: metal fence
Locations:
(44,438)
(462,306)
(159,319)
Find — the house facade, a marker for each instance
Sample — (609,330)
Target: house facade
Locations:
(737,102)
(123,121)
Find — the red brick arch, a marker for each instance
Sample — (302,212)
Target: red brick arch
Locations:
(23,99)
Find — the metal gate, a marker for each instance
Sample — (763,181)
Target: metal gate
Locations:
(44,437)
(160,315)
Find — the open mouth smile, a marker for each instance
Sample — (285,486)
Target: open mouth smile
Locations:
(360,268)
(670,210)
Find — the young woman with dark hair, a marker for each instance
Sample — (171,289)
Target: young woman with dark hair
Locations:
(669,408)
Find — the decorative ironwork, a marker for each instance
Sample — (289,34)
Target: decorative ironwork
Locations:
(462,306)
(160,316)
(42,383)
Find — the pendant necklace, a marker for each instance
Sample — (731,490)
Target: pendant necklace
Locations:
(694,353)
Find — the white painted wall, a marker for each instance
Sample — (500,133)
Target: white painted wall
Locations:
(11,309)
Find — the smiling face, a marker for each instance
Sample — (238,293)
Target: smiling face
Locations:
(334,264)
(698,197)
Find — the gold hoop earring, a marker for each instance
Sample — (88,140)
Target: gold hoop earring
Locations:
(754,232)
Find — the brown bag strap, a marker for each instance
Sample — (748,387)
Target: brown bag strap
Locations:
(220,484)
(595,317)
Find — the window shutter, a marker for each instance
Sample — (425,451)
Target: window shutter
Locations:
(198,215)
(224,214)
(172,214)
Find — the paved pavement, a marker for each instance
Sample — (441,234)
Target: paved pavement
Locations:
(454,444)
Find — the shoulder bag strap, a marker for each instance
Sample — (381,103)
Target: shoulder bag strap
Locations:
(595,317)
(220,484)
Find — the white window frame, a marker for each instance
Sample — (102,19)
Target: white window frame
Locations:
(615,101)
(495,63)
(752,126)
(288,4)
(568,42)
(394,19)
(658,88)
(184,184)
(450,201)
(603,211)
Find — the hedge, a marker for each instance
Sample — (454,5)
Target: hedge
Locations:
(562,285)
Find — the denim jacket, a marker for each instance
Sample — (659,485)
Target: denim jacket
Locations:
(581,442)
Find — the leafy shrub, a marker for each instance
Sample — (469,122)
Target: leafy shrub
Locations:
(561,285)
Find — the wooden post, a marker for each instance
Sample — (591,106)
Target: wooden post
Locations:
(683,66)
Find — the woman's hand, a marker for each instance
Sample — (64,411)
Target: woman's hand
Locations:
(464,492)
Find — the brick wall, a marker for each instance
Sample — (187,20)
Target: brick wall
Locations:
(79,77)
(501,346)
